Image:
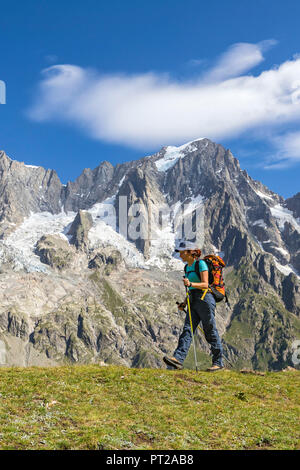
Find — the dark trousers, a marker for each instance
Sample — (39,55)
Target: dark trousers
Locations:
(204,311)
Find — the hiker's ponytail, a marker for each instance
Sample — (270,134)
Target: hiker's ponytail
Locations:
(196,253)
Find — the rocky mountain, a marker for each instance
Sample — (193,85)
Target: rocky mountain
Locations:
(88,272)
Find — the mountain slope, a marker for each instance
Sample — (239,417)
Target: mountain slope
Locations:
(114,280)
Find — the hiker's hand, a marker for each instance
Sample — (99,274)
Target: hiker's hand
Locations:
(181,306)
(186,282)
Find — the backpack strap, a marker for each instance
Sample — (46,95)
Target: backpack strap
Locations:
(197,271)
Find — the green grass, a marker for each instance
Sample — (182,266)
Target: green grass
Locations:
(92,407)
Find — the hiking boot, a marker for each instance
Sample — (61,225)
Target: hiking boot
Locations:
(214,368)
(171,361)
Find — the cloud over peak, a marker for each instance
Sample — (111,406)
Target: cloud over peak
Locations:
(150,110)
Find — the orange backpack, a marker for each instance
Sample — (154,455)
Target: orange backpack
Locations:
(216,283)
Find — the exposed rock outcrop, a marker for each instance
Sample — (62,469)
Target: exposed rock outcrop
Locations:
(55,251)
(79,230)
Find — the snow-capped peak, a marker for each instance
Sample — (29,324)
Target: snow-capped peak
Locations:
(172,154)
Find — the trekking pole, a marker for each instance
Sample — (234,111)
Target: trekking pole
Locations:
(190,316)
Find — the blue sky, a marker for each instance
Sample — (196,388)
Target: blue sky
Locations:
(93,80)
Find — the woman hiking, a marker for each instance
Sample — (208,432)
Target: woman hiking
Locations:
(201,310)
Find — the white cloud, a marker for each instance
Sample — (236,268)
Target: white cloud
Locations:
(150,110)
(239,58)
(290,146)
(287,151)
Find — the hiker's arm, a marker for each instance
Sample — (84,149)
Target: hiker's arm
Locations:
(199,285)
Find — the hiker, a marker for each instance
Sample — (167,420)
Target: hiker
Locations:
(201,310)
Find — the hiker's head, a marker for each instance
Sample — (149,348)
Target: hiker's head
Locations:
(188,251)
(189,255)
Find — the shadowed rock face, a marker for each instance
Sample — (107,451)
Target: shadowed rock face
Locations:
(54,251)
(106,260)
(91,305)
(25,189)
(293,204)
(90,187)
(79,230)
